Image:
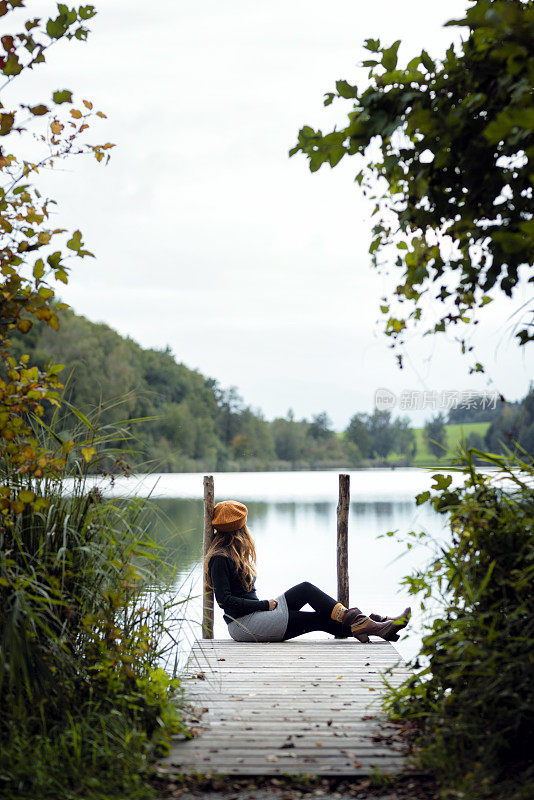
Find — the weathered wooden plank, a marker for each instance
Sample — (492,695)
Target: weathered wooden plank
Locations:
(296,707)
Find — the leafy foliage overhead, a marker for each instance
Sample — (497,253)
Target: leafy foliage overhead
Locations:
(448,155)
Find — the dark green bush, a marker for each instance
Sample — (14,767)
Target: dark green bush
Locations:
(472,703)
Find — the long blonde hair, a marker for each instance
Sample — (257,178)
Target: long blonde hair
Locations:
(237,545)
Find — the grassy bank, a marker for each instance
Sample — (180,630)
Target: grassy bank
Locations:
(455,434)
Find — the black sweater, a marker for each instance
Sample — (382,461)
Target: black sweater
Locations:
(230,593)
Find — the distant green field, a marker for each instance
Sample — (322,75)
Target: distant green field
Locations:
(424,457)
(455,433)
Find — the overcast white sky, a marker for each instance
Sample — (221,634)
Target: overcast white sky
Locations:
(211,240)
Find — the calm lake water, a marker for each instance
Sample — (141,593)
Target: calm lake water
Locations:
(292,516)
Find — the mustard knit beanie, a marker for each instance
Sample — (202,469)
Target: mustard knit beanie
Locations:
(229,515)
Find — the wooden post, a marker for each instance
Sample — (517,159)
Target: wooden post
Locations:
(207,602)
(342,540)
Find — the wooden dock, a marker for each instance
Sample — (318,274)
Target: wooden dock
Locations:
(302,707)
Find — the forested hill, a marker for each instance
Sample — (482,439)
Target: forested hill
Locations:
(198,425)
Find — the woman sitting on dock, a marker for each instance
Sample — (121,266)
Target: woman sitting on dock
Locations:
(230,568)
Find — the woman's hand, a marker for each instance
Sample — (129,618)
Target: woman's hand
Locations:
(272,604)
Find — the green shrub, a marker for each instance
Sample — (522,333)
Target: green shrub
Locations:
(85,701)
(472,703)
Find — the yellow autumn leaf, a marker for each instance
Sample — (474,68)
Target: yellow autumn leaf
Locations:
(56,127)
(41,502)
(75,113)
(44,237)
(88,453)
(88,104)
(26,496)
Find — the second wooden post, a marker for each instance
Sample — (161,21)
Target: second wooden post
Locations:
(342,540)
(207,602)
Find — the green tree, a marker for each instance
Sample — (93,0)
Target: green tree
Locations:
(255,439)
(452,142)
(320,427)
(513,427)
(357,437)
(230,407)
(381,433)
(436,435)
(289,439)
(481,408)
(475,440)
(404,437)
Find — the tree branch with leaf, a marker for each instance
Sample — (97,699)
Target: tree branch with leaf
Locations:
(447,148)
(34,253)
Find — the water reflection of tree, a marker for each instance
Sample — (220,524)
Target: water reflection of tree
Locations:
(176,525)
(380,509)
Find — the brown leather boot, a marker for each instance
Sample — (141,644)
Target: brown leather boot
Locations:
(355,618)
(378,618)
(362,627)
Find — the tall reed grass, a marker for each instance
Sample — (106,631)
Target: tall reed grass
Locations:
(85,701)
